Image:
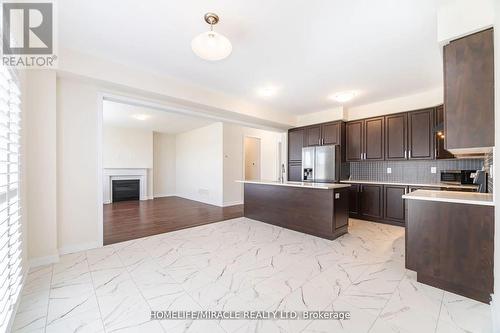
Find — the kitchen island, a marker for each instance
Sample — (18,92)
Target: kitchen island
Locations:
(319,209)
(449,241)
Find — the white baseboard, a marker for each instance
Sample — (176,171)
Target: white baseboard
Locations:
(162,195)
(233,203)
(199,200)
(41,261)
(78,247)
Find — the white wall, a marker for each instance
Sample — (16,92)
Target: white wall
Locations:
(79,205)
(164,169)
(199,164)
(233,158)
(41,171)
(458,18)
(127,148)
(405,103)
(322,116)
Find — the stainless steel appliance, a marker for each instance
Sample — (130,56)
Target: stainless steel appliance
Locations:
(321,164)
(481,179)
(458,176)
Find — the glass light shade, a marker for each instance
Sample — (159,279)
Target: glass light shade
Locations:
(211,46)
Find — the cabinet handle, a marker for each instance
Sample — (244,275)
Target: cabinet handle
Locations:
(405,154)
(409,154)
(361,156)
(319,142)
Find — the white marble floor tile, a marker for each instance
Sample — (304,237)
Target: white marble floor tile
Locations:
(461,314)
(243,265)
(413,306)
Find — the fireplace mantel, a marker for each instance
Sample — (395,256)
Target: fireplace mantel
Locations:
(110,174)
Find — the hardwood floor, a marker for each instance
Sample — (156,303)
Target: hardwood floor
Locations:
(135,219)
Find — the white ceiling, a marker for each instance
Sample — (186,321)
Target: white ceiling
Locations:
(308,49)
(122,115)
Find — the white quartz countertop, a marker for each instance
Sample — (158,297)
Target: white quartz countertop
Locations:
(410,184)
(471,198)
(321,186)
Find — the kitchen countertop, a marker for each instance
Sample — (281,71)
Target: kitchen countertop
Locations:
(471,198)
(410,184)
(321,186)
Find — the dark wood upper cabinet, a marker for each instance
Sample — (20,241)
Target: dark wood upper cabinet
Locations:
(440,135)
(374,139)
(394,204)
(331,133)
(396,137)
(295,144)
(469,92)
(420,134)
(313,136)
(371,201)
(354,140)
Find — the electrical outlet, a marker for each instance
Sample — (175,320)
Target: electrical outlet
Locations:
(433,170)
(389,170)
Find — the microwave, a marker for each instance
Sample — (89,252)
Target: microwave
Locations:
(458,176)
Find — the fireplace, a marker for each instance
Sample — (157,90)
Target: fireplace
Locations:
(111,175)
(125,189)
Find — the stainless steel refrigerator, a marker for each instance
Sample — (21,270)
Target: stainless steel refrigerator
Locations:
(321,164)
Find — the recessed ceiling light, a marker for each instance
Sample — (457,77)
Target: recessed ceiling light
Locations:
(267,91)
(344,96)
(141,116)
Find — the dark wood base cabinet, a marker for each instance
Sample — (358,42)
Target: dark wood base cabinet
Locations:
(450,246)
(318,212)
(377,203)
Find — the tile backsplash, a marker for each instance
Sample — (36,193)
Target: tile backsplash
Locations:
(488,164)
(418,172)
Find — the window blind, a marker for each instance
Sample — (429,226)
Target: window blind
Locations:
(10,224)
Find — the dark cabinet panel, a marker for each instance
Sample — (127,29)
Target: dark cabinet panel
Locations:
(354,140)
(313,136)
(374,139)
(420,129)
(331,133)
(295,172)
(469,91)
(440,135)
(396,137)
(451,246)
(341,207)
(354,200)
(295,144)
(371,201)
(394,204)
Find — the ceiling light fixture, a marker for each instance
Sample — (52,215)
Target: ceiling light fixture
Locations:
(344,96)
(267,91)
(141,116)
(211,45)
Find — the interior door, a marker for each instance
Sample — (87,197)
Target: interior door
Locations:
(252,158)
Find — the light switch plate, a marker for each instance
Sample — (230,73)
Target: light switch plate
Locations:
(433,170)
(389,170)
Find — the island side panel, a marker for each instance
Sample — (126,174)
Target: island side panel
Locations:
(450,246)
(302,209)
